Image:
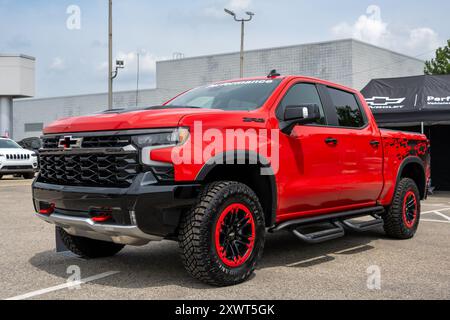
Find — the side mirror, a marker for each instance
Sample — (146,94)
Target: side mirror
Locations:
(300,114)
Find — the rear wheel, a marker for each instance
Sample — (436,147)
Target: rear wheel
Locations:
(403,217)
(222,237)
(88,248)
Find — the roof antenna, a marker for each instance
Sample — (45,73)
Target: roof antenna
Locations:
(273,74)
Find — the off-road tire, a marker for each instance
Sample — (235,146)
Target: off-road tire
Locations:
(394,222)
(29,176)
(88,248)
(197,234)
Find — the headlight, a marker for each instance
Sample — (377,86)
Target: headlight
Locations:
(172,137)
(34,154)
(149,142)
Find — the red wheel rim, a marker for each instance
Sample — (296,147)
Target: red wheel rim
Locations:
(410,209)
(235,235)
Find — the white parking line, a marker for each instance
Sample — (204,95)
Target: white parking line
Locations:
(439,213)
(431,220)
(442,215)
(433,211)
(63,286)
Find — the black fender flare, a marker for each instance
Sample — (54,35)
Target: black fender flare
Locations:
(416,160)
(245,158)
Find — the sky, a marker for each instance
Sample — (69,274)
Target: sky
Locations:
(69,38)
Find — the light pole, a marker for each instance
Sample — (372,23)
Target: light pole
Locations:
(138,77)
(242,21)
(110,58)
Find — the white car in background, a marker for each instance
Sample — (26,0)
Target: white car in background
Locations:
(14,160)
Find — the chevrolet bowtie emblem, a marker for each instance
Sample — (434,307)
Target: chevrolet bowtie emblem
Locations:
(69,143)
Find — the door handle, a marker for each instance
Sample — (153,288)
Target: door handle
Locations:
(375,143)
(331,141)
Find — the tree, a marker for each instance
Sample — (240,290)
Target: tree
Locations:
(440,65)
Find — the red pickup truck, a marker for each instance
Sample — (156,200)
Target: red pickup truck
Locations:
(219,166)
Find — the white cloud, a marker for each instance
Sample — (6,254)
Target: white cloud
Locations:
(58,64)
(239,4)
(425,38)
(371,28)
(235,5)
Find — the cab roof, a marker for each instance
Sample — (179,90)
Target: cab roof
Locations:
(288,78)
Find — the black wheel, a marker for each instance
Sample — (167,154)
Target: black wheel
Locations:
(222,237)
(402,218)
(89,248)
(1,176)
(28,176)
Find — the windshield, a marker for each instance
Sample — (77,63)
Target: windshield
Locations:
(240,95)
(9,144)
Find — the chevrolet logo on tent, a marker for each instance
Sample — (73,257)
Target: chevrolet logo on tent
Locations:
(385,103)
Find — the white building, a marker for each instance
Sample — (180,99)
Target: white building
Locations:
(16,81)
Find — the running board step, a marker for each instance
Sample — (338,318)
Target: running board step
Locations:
(364,226)
(328,217)
(321,236)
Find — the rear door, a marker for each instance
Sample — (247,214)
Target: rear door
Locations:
(359,141)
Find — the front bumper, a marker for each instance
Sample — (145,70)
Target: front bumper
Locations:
(14,168)
(145,211)
(16,171)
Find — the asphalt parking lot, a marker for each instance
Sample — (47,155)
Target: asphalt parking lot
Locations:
(340,269)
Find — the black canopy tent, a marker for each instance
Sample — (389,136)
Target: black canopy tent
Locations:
(410,100)
(420,103)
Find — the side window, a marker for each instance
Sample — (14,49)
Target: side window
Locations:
(302,93)
(348,112)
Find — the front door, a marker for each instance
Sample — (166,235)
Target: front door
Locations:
(310,167)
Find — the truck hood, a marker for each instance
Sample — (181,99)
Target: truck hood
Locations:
(144,119)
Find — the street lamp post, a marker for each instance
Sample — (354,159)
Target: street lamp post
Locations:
(110,59)
(242,21)
(138,71)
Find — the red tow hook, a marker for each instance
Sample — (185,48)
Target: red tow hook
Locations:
(100,216)
(47,209)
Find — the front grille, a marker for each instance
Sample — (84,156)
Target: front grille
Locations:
(117,141)
(106,142)
(17,156)
(93,169)
(50,142)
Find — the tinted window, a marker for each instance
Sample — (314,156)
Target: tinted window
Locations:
(347,109)
(301,94)
(238,95)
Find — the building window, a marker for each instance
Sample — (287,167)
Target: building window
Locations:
(34,127)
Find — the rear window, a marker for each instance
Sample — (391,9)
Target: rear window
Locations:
(348,111)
